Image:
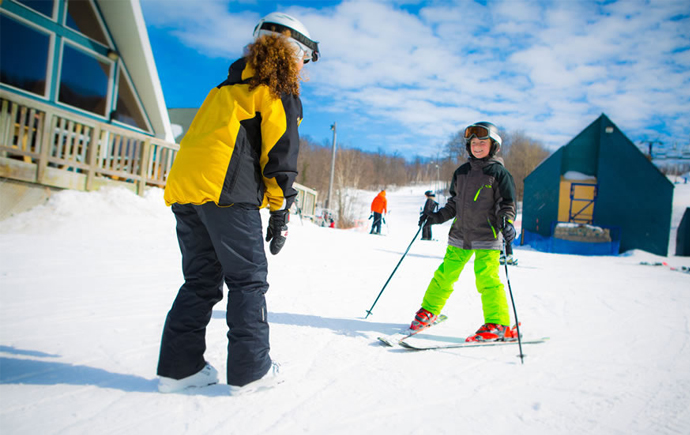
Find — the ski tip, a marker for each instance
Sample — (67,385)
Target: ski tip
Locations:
(408,346)
(383,341)
(387,341)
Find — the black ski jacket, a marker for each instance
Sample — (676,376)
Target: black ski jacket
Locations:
(429,206)
(482,193)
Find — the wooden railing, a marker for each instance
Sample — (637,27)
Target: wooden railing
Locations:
(43,144)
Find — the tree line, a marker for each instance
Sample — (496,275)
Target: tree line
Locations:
(357,169)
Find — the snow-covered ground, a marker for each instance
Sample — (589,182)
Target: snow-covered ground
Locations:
(87,279)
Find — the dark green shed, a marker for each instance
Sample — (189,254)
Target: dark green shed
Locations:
(683,235)
(601,178)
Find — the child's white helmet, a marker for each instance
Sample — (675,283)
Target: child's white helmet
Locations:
(278,22)
(483,130)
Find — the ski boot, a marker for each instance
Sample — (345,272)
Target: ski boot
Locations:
(512,261)
(422,319)
(491,332)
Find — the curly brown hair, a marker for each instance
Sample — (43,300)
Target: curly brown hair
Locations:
(272,57)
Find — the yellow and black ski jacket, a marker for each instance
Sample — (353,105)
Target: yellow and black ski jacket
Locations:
(241,147)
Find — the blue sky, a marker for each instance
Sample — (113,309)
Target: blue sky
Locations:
(402,76)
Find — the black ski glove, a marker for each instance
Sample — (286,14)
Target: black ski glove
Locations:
(277,230)
(430,218)
(508,231)
(422,218)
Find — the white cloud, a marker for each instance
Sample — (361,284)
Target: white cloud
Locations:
(546,68)
(210,26)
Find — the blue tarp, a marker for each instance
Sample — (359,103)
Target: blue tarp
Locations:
(561,246)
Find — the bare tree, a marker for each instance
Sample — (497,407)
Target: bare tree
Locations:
(521,155)
(356,169)
(456,147)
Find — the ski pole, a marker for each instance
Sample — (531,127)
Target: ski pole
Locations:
(517,322)
(396,268)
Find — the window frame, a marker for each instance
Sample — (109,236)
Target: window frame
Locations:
(110,44)
(51,54)
(52,17)
(60,34)
(116,91)
(98,57)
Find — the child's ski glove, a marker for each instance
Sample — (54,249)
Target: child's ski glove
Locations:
(277,230)
(508,231)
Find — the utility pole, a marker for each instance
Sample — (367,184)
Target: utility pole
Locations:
(438,177)
(650,144)
(330,185)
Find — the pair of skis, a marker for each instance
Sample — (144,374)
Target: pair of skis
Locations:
(400,339)
(683,269)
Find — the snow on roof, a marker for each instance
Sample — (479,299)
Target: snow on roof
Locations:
(574,175)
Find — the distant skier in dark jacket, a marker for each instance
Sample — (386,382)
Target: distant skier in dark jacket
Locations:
(429,207)
(482,204)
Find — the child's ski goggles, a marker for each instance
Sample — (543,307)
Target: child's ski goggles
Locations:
(479,131)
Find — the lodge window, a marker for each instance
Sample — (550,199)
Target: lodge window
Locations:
(84,80)
(128,110)
(82,17)
(23,55)
(45,7)
(33,41)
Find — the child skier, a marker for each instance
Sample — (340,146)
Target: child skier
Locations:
(482,202)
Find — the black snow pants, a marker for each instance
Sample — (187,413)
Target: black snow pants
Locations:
(426,232)
(219,245)
(376,225)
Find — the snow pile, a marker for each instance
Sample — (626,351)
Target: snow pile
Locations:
(86,281)
(577,176)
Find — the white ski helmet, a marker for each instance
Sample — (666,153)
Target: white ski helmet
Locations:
(483,130)
(278,22)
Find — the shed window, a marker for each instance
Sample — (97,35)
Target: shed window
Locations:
(45,7)
(84,81)
(128,109)
(23,56)
(83,18)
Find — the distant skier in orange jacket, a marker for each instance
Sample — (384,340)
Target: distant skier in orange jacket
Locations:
(379,206)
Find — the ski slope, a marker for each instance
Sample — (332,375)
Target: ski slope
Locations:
(87,279)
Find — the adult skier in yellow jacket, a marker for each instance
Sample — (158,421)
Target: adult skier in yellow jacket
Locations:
(239,155)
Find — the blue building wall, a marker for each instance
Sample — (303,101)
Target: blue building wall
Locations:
(633,194)
(540,198)
(581,153)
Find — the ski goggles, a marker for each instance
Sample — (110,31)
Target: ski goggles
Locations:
(302,53)
(310,48)
(478,131)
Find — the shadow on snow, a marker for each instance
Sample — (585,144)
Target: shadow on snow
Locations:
(346,327)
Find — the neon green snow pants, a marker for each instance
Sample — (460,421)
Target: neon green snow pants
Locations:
(489,285)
